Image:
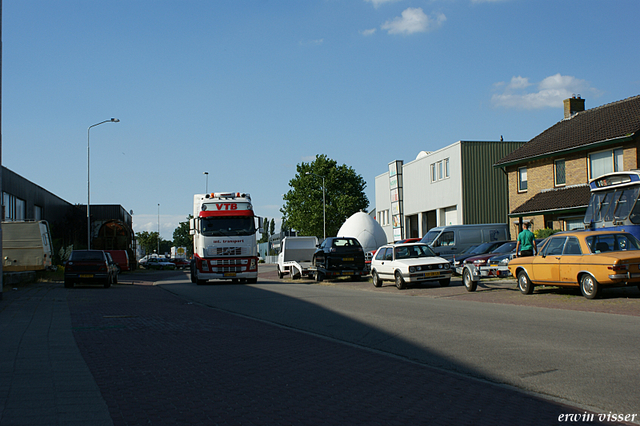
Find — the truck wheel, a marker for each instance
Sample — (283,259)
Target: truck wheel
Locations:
(107,282)
(377,282)
(201,282)
(115,279)
(68,284)
(400,281)
(252,280)
(319,276)
(468,281)
(280,274)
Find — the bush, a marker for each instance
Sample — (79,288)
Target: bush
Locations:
(544,233)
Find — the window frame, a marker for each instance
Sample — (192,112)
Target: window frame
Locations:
(520,181)
(555,172)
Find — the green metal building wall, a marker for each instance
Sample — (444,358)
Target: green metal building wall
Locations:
(485,190)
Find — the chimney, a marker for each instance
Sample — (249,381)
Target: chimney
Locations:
(572,106)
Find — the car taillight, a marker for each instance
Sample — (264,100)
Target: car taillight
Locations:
(619,267)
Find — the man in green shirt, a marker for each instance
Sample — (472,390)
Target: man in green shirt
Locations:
(526,244)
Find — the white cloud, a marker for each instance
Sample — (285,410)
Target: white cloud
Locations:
(377,3)
(549,94)
(413,20)
(367,33)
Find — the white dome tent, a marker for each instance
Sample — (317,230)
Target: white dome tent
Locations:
(365,229)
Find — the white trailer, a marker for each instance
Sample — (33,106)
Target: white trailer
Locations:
(26,246)
(296,256)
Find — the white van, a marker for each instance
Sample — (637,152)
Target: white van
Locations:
(26,246)
(447,241)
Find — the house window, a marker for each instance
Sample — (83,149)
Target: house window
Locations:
(604,162)
(440,170)
(37,213)
(522,179)
(560,173)
(383,218)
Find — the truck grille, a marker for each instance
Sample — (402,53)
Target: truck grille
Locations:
(225,251)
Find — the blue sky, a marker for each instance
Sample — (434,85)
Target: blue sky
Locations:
(246,90)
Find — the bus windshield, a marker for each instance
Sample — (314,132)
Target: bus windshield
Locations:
(614,204)
(227,226)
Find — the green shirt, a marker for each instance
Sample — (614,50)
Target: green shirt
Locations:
(525,238)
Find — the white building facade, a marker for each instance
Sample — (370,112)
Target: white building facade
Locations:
(451,186)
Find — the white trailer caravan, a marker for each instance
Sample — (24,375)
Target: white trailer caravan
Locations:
(26,246)
(296,256)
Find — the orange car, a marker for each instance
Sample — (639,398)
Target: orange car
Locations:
(589,259)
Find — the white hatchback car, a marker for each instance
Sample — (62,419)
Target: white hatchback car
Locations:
(409,263)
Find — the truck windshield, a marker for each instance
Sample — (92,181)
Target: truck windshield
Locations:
(226,226)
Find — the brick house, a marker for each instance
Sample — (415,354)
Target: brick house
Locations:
(549,175)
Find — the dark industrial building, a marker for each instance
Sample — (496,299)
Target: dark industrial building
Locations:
(111,225)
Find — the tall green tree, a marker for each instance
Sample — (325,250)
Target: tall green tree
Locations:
(344,196)
(264,231)
(182,238)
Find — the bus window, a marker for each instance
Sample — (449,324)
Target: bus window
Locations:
(625,203)
(613,205)
(604,207)
(594,206)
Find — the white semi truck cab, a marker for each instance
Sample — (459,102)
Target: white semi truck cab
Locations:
(224,238)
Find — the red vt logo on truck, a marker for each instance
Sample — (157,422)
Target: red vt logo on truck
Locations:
(227,206)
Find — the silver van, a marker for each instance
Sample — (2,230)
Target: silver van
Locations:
(447,241)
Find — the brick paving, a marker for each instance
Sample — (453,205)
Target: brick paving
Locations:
(159,360)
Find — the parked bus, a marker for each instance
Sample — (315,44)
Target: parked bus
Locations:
(614,203)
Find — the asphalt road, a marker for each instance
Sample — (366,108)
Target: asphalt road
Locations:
(564,351)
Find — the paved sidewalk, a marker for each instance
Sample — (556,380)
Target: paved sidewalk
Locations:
(138,355)
(43,378)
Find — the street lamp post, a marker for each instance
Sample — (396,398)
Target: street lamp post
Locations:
(206,187)
(158,229)
(324,209)
(113,120)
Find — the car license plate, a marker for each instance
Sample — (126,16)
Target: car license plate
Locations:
(86,275)
(348,273)
(229,274)
(347,259)
(431,274)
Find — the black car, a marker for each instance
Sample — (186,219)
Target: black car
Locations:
(339,256)
(90,267)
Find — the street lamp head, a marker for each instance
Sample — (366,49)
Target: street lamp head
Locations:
(115,120)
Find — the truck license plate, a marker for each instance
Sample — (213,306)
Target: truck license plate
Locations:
(347,259)
(348,272)
(229,274)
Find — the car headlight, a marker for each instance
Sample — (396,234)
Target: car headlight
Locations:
(412,269)
(504,261)
(480,262)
